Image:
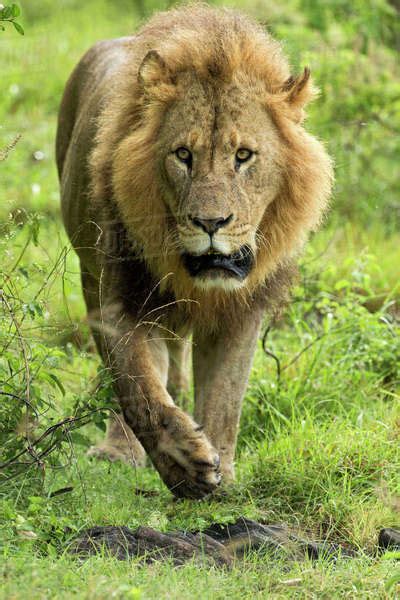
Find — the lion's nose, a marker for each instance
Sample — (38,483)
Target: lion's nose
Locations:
(211,226)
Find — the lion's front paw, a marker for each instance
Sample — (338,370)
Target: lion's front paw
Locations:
(184,457)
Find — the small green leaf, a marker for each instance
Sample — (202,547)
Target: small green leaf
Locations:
(24,272)
(101,425)
(34,227)
(58,383)
(15,9)
(342,283)
(19,28)
(391,555)
(79,439)
(34,309)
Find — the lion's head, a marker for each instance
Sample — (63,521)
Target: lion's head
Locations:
(220,168)
(216,179)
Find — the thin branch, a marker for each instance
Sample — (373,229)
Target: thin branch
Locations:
(271,354)
(24,400)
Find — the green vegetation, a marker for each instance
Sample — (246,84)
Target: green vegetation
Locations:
(9,14)
(319,446)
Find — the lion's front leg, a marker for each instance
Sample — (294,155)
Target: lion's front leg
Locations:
(222,364)
(179,449)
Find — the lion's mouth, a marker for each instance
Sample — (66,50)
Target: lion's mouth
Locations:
(236,265)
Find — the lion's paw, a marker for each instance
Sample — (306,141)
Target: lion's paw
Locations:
(186,460)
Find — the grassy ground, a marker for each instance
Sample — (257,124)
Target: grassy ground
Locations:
(319,448)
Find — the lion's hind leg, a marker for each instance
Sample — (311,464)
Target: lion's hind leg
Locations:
(120,444)
(179,351)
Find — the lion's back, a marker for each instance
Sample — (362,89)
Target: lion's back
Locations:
(86,90)
(84,96)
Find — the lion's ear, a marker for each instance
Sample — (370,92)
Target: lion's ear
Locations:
(153,71)
(299,91)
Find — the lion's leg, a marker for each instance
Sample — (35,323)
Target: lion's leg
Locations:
(134,352)
(222,364)
(180,451)
(120,443)
(179,370)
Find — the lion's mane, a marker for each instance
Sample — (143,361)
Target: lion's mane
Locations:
(219,44)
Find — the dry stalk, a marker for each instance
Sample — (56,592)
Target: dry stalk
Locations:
(9,148)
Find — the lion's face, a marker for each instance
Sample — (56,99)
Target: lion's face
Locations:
(221,162)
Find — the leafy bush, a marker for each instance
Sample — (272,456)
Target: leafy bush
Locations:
(38,414)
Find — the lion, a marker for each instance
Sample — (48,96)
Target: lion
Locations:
(189,187)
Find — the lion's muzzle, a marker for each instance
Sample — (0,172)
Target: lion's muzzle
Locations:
(237,265)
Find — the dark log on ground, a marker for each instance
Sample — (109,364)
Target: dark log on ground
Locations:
(245,535)
(151,545)
(219,544)
(389,539)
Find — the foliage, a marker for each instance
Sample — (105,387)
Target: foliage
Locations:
(341,345)
(30,386)
(37,414)
(9,14)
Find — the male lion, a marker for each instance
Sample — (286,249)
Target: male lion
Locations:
(188,189)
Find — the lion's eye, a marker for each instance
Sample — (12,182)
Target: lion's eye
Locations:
(184,155)
(243,155)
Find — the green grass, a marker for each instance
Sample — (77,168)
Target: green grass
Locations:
(318,448)
(255,579)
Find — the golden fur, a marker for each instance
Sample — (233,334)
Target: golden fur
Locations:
(214,79)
